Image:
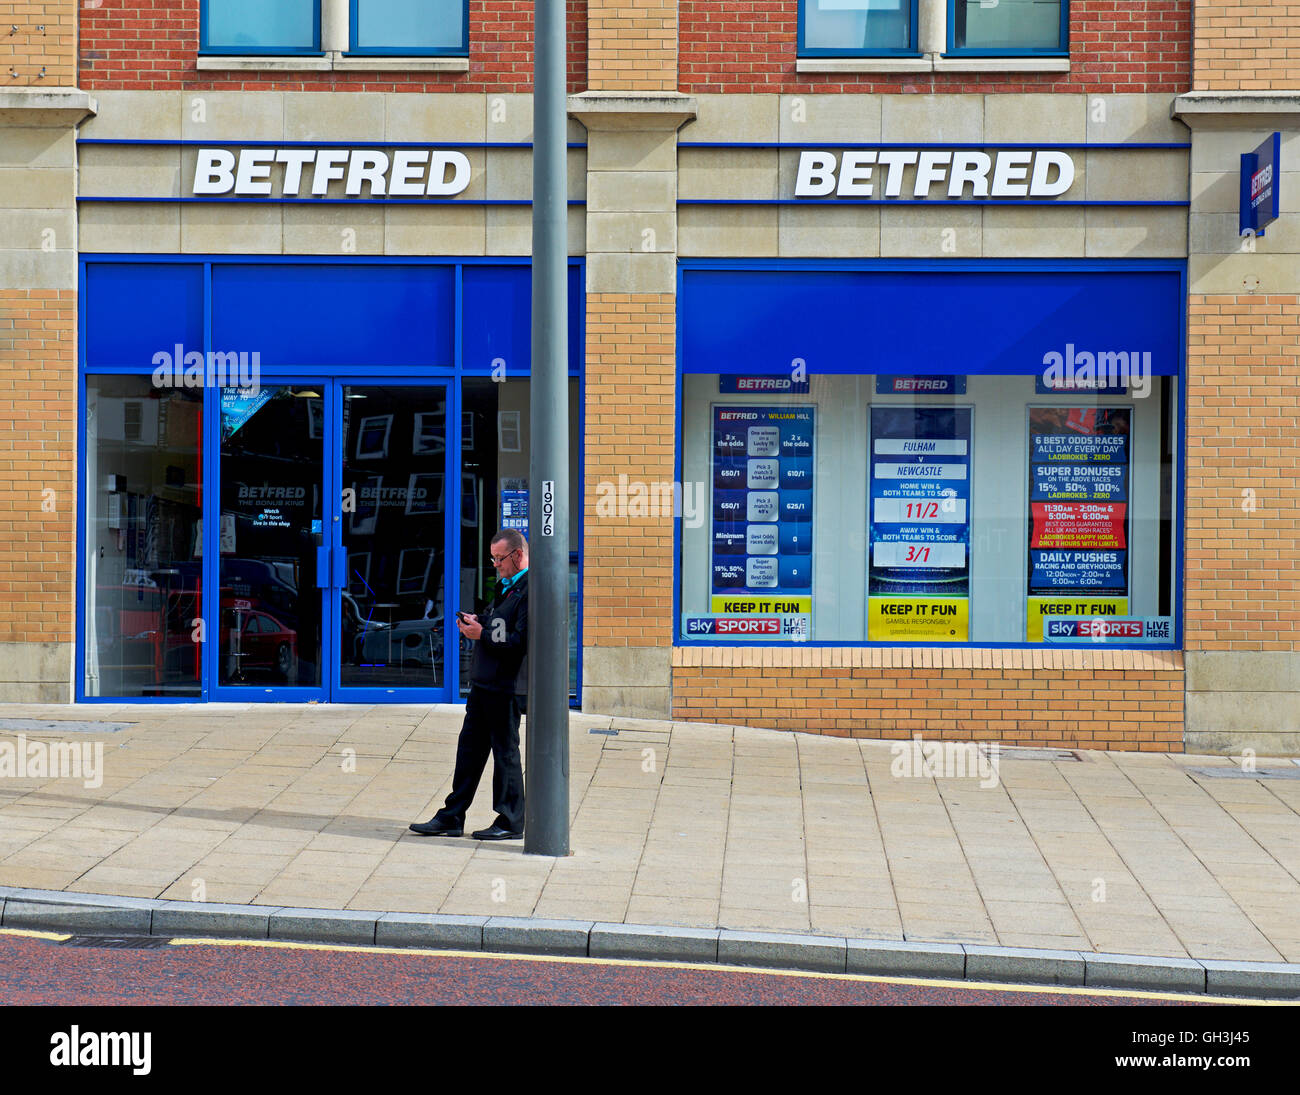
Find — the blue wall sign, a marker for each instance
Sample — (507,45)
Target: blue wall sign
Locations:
(1261,177)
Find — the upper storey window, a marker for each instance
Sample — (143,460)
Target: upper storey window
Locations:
(254,26)
(367,27)
(857,28)
(1005,28)
(409,26)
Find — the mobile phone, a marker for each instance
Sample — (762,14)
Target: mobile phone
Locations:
(460,615)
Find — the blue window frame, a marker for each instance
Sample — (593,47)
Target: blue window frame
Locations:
(255,26)
(1009,28)
(409,27)
(857,28)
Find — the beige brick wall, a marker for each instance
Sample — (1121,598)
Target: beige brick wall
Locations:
(1069,699)
(38,460)
(631,46)
(1239,45)
(1243,473)
(631,373)
(30,48)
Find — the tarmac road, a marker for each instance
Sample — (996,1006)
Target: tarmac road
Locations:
(44,970)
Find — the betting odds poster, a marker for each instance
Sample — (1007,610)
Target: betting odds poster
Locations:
(1079,514)
(761,543)
(918,579)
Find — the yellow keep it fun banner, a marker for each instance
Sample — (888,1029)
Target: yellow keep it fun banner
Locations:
(749,603)
(918,619)
(1075,606)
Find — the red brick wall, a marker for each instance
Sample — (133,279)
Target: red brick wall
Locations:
(1243,473)
(1116,46)
(38,461)
(1067,699)
(628,574)
(1247,45)
(151,45)
(36,35)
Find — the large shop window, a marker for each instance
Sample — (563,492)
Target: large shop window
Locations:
(144,536)
(1008,27)
(255,26)
(864,28)
(1008,476)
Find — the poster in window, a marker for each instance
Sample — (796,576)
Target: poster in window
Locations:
(918,572)
(761,547)
(1078,514)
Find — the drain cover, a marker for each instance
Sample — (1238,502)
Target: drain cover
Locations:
(119,942)
(1233,772)
(59,726)
(609,733)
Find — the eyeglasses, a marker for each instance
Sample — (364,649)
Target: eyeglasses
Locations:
(497,562)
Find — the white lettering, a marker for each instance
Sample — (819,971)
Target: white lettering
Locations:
(214,172)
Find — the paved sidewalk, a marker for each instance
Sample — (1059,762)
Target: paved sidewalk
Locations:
(673,824)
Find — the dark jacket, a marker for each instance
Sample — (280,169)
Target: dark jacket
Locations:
(503,666)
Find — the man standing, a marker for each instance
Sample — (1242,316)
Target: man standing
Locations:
(498,680)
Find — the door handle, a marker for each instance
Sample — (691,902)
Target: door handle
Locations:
(341,568)
(322,567)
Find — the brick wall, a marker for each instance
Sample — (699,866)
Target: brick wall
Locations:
(631,373)
(30,49)
(1068,699)
(1247,46)
(632,46)
(1131,46)
(1243,473)
(153,47)
(38,454)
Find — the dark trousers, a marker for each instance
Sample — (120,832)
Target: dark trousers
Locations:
(491,726)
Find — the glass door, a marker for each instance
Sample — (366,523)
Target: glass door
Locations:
(389,542)
(272,581)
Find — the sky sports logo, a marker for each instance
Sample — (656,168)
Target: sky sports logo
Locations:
(765,627)
(1101,629)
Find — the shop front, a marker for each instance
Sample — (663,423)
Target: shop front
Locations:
(933,454)
(293,469)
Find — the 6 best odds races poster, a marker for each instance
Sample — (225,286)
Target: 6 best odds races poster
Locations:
(1079,460)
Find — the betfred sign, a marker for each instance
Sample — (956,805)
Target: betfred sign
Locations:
(308,172)
(954,174)
(1260,189)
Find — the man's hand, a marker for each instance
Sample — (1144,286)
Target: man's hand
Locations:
(469,626)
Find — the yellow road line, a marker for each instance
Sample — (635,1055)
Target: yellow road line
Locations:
(26,934)
(995,986)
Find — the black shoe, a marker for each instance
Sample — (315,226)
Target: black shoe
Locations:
(496,832)
(436,827)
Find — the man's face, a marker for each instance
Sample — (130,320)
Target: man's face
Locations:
(508,562)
